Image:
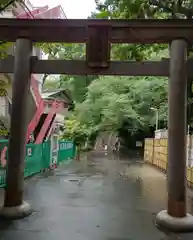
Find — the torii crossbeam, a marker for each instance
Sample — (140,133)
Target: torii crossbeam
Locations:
(80,67)
(77,30)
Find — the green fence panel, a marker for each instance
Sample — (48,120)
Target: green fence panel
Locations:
(66,151)
(34,160)
(38,157)
(3,147)
(46,154)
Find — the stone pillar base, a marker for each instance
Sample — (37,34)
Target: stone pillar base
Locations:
(173,224)
(18,212)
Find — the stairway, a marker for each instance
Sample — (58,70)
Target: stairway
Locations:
(47,123)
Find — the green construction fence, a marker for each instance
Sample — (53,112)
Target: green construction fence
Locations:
(38,157)
(66,150)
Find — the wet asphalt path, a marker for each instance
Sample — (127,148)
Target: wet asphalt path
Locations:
(99,198)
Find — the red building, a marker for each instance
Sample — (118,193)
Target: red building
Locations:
(41,118)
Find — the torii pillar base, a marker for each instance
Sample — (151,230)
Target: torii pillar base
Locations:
(17,212)
(164,221)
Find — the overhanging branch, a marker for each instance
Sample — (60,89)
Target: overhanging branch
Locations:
(177,9)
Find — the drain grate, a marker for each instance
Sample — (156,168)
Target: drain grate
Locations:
(74,180)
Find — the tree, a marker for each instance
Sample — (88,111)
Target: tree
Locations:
(62,51)
(76,132)
(112,101)
(141,9)
(51,83)
(76,84)
(145,8)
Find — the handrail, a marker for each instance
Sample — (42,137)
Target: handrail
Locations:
(46,124)
(32,125)
(54,109)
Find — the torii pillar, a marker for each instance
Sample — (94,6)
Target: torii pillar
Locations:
(176,218)
(14,206)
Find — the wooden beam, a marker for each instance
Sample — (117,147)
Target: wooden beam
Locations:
(98,40)
(115,68)
(75,30)
(76,67)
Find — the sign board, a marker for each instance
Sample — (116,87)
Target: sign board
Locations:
(29,152)
(66,145)
(139,144)
(161,133)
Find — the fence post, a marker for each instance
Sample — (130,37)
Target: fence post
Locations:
(153,154)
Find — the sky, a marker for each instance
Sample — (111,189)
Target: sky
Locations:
(72,8)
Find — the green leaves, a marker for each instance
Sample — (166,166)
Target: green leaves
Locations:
(76,132)
(144,9)
(110,101)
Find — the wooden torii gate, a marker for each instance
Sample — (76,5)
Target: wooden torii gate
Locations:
(98,35)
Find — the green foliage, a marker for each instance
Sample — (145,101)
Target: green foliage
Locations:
(77,85)
(108,103)
(76,132)
(141,9)
(67,51)
(51,83)
(111,101)
(124,9)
